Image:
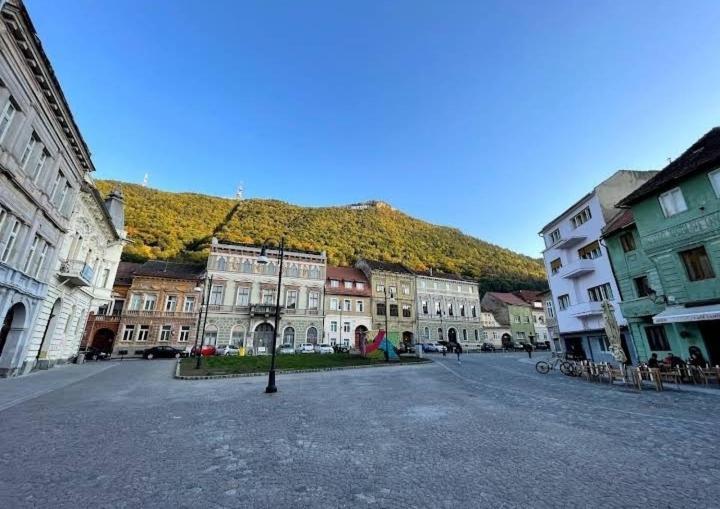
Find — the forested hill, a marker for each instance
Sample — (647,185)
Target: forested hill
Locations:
(179,226)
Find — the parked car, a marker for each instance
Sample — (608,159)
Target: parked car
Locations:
(341,348)
(163,352)
(440,347)
(205,351)
(95,354)
(487,347)
(325,348)
(429,347)
(519,347)
(286,348)
(229,350)
(542,346)
(305,348)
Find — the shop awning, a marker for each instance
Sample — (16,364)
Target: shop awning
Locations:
(682,314)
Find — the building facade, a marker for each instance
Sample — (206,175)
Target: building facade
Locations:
(393,299)
(348,317)
(43,163)
(665,251)
(578,268)
(448,309)
(510,311)
(243,297)
(541,333)
(82,279)
(551,321)
(493,331)
(161,308)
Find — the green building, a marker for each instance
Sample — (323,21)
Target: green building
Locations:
(665,253)
(511,311)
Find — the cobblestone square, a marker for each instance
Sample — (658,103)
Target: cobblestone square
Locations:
(490,432)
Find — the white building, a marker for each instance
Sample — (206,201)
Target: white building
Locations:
(578,267)
(348,314)
(243,296)
(493,331)
(83,277)
(448,309)
(43,163)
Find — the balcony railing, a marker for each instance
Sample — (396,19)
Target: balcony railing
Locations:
(576,269)
(76,273)
(262,310)
(159,313)
(586,309)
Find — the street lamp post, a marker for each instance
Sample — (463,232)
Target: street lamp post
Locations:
(201,333)
(263,259)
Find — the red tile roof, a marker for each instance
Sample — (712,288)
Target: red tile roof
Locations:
(621,220)
(343,274)
(529,296)
(508,298)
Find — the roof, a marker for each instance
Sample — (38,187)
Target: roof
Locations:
(621,220)
(171,270)
(508,298)
(703,155)
(125,272)
(444,275)
(568,210)
(346,274)
(528,296)
(288,249)
(387,266)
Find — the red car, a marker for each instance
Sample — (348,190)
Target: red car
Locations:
(205,351)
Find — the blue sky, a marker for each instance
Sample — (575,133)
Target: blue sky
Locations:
(492,117)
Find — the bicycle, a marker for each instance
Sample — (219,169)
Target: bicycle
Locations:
(544,367)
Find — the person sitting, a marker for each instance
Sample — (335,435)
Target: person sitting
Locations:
(653,362)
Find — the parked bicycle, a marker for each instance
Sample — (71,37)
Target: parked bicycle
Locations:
(565,367)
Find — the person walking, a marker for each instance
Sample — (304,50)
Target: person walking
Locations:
(444,349)
(458,351)
(528,349)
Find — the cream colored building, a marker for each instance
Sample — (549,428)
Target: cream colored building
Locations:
(493,331)
(348,316)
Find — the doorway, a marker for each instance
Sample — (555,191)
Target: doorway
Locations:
(12,326)
(710,331)
(452,335)
(360,333)
(103,340)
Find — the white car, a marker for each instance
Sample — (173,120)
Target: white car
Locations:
(440,347)
(324,349)
(229,350)
(286,348)
(305,348)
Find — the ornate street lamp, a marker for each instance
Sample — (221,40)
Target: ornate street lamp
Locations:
(263,260)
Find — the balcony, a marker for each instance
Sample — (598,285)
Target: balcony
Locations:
(569,242)
(576,269)
(157,313)
(76,273)
(265,310)
(585,309)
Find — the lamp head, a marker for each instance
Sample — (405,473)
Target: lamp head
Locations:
(263,258)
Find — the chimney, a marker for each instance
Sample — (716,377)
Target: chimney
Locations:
(115,205)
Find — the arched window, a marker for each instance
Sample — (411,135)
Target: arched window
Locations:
(211,334)
(289,336)
(270,268)
(237,336)
(314,272)
(440,333)
(477,335)
(312,335)
(293,270)
(426,333)
(247,266)
(464,334)
(222,263)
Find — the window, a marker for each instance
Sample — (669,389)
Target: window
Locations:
(393,310)
(440,333)
(143,333)
(426,333)
(603,343)
(6,119)
(516,319)
(393,291)
(38,266)
(57,183)
(105,278)
(554,236)
(380,288)
(165,332)
(697,264)
(346,326)
(549,309)
(39,165)
(246,266)
(267,296)
(563,301)
(289,336)
(31,254)
(406,290)
(451,312)
(600,293)
(333,326)
(438,311)
(314,273)
(135,301)
(477,335)
(462,309)
(591,251)
(424,307)
(27,152)
(627,241)
(312,335)
(334,283)
(216,295)
(380,308)
(348,305)
(189,304)
(520,335)
(473,311)
(555,266)
(149,302)
(406,311)
(526,319)
(657,340)
(672,202)
(359,306)
(348,284)
(464,334)
(314,300)
(171,302)
(10,242)
(581,218)
(459,288)
(291,299)
(242,296)
(714,177)
(359,285)
(642,286)
(334,304)
(184,334)
(128,333)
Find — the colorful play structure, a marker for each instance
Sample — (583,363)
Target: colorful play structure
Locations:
(382,343)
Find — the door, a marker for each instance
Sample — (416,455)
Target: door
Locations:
(710,331)
(452,335)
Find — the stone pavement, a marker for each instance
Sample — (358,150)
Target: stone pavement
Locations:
(490,432)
